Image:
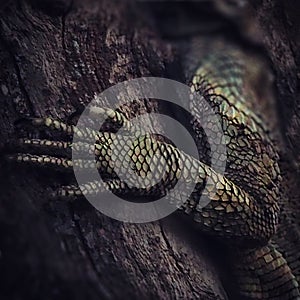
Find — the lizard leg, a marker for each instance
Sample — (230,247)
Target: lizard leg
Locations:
(228,208)
(230,212)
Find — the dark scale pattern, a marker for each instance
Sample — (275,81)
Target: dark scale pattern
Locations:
(243,208)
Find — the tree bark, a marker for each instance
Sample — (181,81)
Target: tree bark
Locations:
(55,57)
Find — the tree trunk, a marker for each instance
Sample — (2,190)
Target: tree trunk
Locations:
(54,59)
(55,56)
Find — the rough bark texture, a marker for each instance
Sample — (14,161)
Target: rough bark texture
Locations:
(279,25)
(54,58)
(53,62)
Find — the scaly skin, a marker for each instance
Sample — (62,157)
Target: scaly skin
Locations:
(244,209)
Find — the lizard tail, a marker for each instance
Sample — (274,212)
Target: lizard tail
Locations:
(260,272)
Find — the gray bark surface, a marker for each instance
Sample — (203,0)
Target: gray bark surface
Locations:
(54,59)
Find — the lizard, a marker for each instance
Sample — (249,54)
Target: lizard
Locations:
(244,212)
